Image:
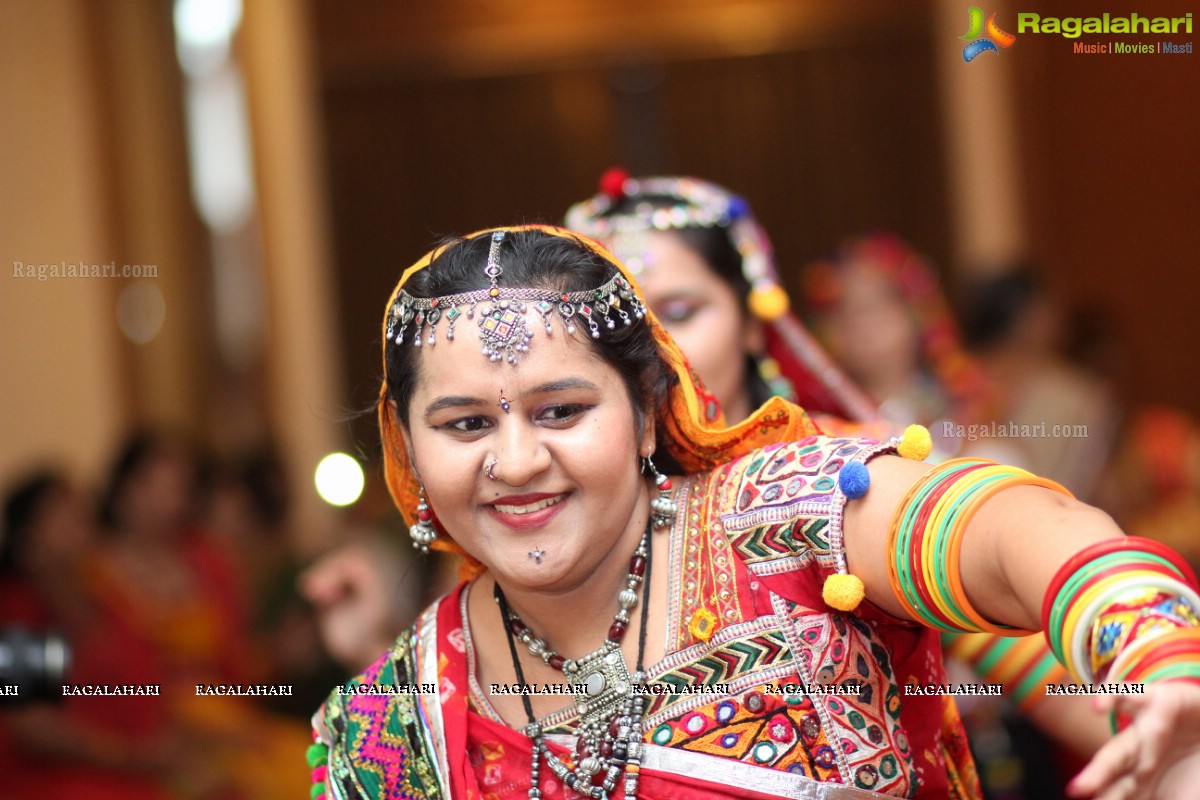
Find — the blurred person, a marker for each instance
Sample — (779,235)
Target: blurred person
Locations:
(1155,479)
(174,616)
(363,596)
(71,746)
(367,588)
(160,577)
(48,532)
(1015,325)
(877,305)
(246,516)
(705,267)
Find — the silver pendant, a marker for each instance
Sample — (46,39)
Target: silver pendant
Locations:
(600,684)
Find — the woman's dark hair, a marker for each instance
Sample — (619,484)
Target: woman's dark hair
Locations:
(994,307)
(143,447)
(25,502)
(138,450)
(536,259)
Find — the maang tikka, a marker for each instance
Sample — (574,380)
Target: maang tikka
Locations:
(663,506)
(422,531)
(503,331)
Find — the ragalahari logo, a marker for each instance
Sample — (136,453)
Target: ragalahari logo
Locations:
(982,44)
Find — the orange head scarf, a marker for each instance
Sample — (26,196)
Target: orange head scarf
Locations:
(696,435)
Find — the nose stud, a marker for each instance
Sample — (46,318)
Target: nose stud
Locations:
(489,468)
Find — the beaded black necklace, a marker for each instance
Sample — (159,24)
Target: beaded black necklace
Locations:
(609,701)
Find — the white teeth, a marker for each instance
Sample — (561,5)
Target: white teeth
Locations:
(532,507)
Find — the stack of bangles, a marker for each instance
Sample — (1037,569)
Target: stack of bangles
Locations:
(1119,611)
(1125,611)
(926,535)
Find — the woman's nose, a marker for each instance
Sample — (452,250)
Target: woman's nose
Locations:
(522,455)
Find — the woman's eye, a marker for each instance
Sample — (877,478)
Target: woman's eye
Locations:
(678,312)
(469,424)
(561,413)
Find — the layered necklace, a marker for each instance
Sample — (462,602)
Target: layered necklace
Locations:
(608,699)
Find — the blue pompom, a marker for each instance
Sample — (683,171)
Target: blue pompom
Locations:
(854,480)
(738,207)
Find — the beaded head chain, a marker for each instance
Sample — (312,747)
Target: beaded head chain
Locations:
(501,311)
(689,203)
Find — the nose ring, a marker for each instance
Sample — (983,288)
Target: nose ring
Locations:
(489,468)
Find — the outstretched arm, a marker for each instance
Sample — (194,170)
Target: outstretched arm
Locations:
(1123,610)
(1012,548)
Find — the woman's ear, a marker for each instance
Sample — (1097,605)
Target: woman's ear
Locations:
(754,336)
(649,435)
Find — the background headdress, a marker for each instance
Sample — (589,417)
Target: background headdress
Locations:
(942,350)
(627,209)
(690,418)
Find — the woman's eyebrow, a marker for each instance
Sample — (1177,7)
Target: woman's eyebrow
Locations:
(451,401)
(560,385)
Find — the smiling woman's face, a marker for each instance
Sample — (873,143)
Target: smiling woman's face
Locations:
(566,483)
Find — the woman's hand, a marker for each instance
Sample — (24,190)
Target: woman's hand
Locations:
(1157,757)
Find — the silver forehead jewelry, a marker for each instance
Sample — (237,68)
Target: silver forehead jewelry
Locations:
(489,468)
(503,330)
(537,554)
(504,404)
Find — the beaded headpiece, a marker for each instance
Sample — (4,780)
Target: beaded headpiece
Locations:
(696,204)
(661,204)
(503,330)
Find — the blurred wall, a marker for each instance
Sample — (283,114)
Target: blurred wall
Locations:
(94,158)
(61,395)
(1110,161)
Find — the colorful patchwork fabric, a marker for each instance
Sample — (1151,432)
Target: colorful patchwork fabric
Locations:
(379,747)
(759,537)
(1137,613)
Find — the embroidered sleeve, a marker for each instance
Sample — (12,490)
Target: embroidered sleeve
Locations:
(787,512)
(376,747)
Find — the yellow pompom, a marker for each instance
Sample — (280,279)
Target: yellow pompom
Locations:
(843,592)
(915,443)
(768,302)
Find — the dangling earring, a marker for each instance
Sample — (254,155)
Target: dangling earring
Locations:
(663,506)
(422,532)
(772,375)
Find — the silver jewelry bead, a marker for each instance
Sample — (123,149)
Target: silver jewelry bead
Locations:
(627,598)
